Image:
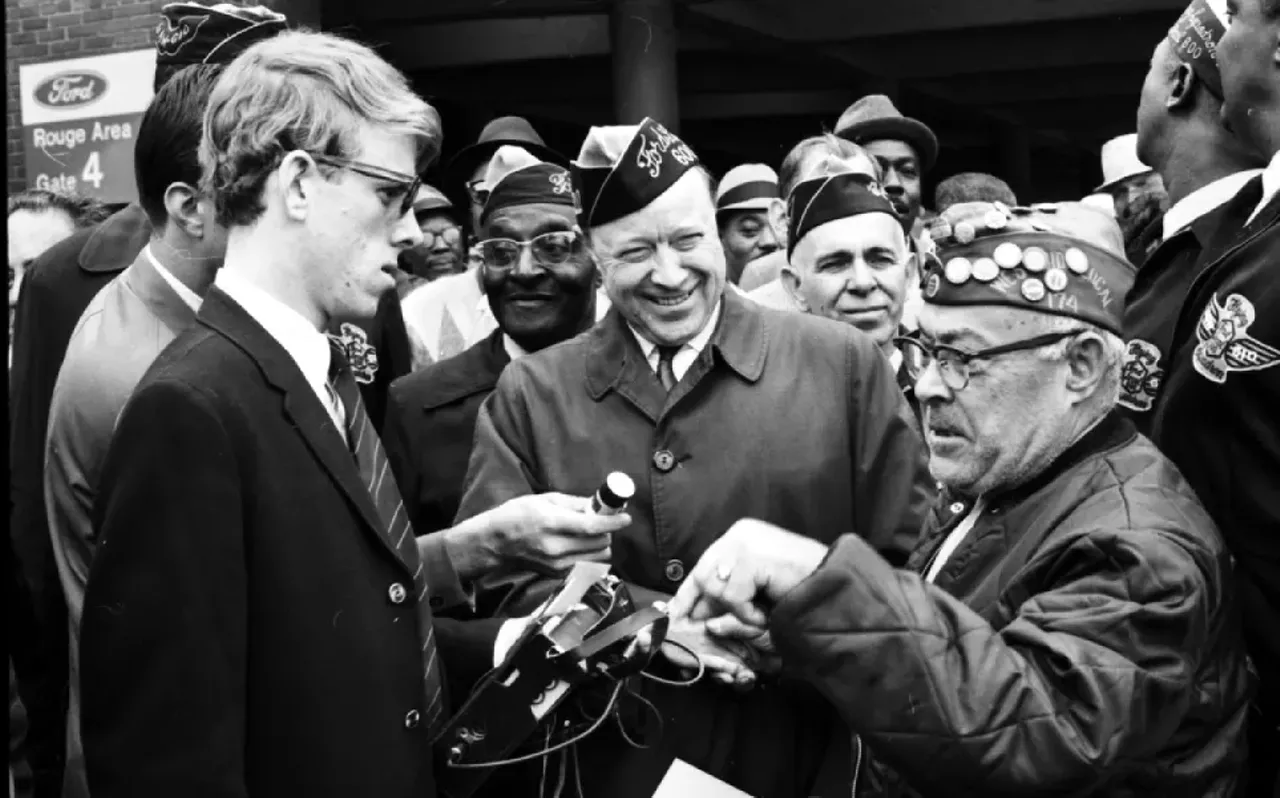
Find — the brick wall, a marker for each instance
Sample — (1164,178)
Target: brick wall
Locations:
(49,30)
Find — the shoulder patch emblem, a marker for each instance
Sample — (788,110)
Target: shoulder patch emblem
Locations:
(1225,344)
(1140,375)
(361,356)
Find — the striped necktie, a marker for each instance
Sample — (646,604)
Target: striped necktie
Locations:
(371,461)
(666,370)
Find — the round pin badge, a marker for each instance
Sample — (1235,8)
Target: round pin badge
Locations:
(1035,259)
(958,270)
(995,220)
(1007,255)
(932,286)
(1055,279)
(964,232)
(985,269)
(1077,261)
(1033,289)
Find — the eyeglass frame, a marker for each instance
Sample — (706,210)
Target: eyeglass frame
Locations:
(411,182)
(965,357)
(523,245)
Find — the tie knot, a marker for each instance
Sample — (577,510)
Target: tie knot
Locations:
(667,353)
(338,364)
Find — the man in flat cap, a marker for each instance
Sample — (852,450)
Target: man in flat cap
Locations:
(905,148)
(61,284)
(679,388)
(848,257)
(1216,415)
(1204,165)
(540,283)
(748,206)
(1068,623)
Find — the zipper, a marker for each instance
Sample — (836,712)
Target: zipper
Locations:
(857,764)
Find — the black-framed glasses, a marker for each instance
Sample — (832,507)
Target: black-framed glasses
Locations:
(409,183)
(477,191)
(953,362)
(549,249)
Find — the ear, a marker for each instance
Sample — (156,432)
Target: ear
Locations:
(1087,364)
(295,183)
(182,204)
(791,280)
(1182,90)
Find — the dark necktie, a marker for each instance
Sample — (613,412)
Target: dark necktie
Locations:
(667,374)
(371,461)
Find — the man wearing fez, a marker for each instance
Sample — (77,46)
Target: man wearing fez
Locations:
(540,283)
(848,257)
(679,387)
(259,620)
(1216,415)
(1068,623)
(905,148)
(60,286)
(1204,165)
(747,208)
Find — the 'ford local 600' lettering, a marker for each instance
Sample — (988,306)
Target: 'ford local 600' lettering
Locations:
(70,89)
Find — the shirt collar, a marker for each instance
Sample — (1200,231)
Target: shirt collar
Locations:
(514,350)
(697,343)
(1270,183)
(308,347)
(189,297)
(1205,200)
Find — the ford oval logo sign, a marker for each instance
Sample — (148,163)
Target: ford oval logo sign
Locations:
(71,89)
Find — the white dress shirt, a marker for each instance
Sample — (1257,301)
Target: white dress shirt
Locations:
(1270,186)
(191,298)
(954,538)
(1203,200)
(687,353)
(514,350)
(308,347)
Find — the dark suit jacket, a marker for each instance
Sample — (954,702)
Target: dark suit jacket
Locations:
(239,637)
(785,417)
(55,292)
(430,425)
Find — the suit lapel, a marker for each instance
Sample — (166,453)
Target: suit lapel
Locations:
(308,416)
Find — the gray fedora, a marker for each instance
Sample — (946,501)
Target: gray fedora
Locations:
(876,118)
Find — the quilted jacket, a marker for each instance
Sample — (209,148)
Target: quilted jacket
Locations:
(1082,640)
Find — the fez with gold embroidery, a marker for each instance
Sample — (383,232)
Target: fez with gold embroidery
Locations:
(1065,259)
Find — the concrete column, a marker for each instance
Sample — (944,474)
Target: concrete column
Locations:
(644,42)
(1013,157)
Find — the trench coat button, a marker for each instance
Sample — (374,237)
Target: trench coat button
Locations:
(675,570)
(957,507)
(664,460)
(396,593)
(412,719)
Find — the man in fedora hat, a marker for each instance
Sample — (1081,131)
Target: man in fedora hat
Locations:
(1204,165)
(59,287)
(905,148)
(467,168)
(748,206)
(1138,193)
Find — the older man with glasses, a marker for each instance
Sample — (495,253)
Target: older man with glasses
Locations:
(1068,623)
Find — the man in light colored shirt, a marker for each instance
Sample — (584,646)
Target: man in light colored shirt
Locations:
(258,601)
(1204,164)
(121,333)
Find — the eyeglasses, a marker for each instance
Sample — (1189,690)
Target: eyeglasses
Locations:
(451,236)
(953,362)
(409,183)
(549,249)
(478,192)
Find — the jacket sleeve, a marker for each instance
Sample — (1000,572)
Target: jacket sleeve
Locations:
(892,486)
(165,619)
(1093,672)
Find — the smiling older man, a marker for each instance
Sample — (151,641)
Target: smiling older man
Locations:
(679,387)
(1068,624)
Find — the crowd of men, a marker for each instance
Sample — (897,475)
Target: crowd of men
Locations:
(982,499)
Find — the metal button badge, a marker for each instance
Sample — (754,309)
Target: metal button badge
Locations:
(675,570)
(396,593)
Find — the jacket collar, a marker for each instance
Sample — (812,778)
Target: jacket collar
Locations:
(467,373)
(741,340)
(149,286)
(1114,431)
(114,244)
